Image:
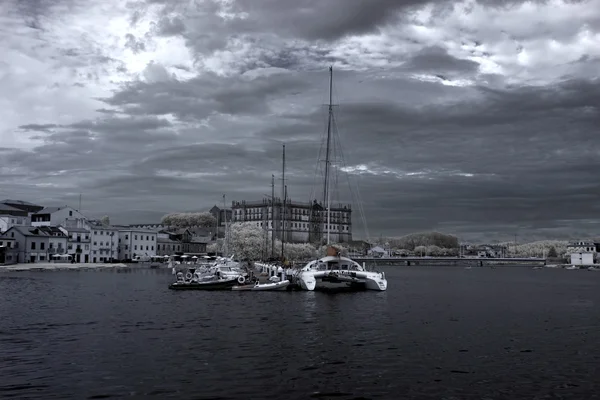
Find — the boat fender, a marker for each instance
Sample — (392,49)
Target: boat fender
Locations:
(188,276)
(241,279)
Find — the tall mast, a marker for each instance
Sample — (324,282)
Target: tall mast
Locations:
(283,174)
(283,195)
(326,194)
(284,218)
(225,244)
(272,216)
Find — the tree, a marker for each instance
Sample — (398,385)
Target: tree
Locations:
(105,221)
(212,248)
(247,241)
(186,220)
(552,252)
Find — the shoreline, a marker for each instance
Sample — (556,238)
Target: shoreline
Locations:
(67,266)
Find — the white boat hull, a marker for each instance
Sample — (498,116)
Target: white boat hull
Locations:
(341,280)
(270,286)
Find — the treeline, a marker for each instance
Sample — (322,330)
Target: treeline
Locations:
(418,240)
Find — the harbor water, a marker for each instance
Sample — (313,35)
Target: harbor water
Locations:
(437,333)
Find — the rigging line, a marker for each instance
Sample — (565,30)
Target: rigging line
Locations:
(358,201)
(313,194)
(356,197)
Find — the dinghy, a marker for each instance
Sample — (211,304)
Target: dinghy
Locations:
(281,285)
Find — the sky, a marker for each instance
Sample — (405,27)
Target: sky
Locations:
(476,118)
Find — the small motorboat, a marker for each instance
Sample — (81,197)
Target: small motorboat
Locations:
(281,285)
(195,281)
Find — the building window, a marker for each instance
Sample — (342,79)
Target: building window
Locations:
(135,237)
(42,246)
(70,213)
(32,245)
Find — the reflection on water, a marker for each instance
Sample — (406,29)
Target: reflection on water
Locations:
(437,333)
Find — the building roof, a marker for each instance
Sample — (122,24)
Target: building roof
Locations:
(104,227)
(28,231)
(51,230)
(21,202)
(10,210)
(50,210)
(167,240)
(74,229)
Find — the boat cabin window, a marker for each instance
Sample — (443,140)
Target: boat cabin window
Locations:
(345,267)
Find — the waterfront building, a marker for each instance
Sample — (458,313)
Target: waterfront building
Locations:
(6,246)
(191,243)
(166,246)
(78,241)
(299,223)
(54,216)
(10,217)
(57,241)
(104,243)
(222,216)
(135,242)
(582,252)
(29,244)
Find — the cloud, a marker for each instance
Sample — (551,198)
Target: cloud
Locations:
(474,117)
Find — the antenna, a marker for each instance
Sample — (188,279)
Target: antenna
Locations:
(79,209)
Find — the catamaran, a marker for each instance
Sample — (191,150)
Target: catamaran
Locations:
(334,272)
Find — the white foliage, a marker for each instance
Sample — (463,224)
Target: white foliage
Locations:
(213,248)
(297,251)
(537,249)
(184,220)
(247,241)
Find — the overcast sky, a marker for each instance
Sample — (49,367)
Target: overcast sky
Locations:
(478,118)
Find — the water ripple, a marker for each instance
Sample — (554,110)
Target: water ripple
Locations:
(436,334)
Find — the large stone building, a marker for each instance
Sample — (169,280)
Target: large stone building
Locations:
(301,222)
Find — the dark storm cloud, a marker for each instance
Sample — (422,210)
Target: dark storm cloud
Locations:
(202,96)
(480,149)
(38,127)
(437,60)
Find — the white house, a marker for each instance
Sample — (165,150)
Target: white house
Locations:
(378,251)
(30,244)
(104,243)
(582,253)
(6,246)
(136,242)
(78,243)
(55,216)
(57,241)
(7,221)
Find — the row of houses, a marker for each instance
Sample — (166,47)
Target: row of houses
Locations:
(31,233)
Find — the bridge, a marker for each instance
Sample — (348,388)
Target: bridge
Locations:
(410,261)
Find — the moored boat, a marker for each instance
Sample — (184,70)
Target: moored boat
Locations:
(268,286)
(194,280)
(216,284)
(336,273)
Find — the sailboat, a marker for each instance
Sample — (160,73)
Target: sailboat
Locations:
(334,272)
